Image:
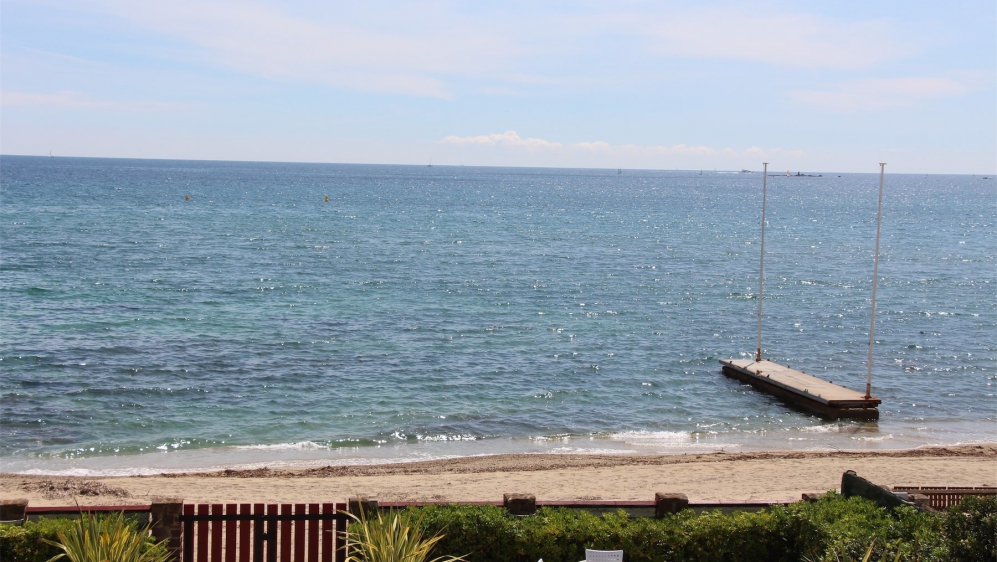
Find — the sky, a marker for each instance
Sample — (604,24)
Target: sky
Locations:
(809,86)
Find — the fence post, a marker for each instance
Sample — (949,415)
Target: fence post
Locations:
(362,506)
(13,511)
(164,514)
(922,501)
(669,503)
(520,504)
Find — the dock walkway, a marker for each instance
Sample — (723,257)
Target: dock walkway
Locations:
(811,393)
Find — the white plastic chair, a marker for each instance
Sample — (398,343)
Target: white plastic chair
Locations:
(603,555)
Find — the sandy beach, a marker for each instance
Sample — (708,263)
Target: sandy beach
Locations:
(773,476)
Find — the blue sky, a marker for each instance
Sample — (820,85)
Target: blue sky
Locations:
(805,85)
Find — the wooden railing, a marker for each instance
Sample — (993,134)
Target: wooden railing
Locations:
(942,497)
(263,532)
(312,532)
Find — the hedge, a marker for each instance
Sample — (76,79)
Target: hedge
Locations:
(832,529)
(23,543)
(971,530)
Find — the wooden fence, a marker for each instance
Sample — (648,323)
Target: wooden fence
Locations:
(312,532)
(941,497)
(263,532)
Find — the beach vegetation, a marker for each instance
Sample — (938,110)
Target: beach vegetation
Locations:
(102,538)
(87,538)
(971,529)
(27,542)
(396,536)
(833,529)
(849,527)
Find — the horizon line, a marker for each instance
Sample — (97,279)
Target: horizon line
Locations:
(431,165)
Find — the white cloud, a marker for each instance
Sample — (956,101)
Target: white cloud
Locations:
(597,145)
(629,152)
(782,39)
(508,138)
(881,93)
(425,48)
(386,48)
(80,100)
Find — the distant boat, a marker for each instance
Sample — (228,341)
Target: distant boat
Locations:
(619,171)
(50,154)
(746,172)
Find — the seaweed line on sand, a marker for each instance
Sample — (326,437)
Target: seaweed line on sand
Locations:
(538,462)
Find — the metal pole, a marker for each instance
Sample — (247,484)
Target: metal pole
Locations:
(761,266)
(875,278)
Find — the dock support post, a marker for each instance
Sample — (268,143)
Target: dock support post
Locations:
(875,278)
(761,265)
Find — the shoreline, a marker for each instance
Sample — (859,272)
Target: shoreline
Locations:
(823,437)
(716,476)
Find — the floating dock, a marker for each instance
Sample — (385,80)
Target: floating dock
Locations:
(816,395)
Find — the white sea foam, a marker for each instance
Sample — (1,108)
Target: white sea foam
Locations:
(827,428)
(656,436)
(588,451)
(299,446)
(434,438)
(873,438)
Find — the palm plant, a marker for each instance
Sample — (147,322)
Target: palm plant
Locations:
(98,538)
(395,538)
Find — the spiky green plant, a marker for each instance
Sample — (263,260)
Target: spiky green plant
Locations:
(106,538)
(395,538)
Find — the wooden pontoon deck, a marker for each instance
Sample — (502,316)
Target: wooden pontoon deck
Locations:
(811,393)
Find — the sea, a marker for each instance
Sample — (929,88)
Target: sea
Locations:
(163,315)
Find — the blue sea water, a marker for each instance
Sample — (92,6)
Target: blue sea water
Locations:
(427,312)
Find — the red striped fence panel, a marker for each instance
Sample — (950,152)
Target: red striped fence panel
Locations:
(941,497)
(263,532)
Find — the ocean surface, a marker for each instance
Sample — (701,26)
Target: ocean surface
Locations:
(428,312)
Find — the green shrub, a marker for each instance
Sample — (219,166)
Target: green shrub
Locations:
(393,537)
(971,529)
(834,528)
(107,538)
(847,526)
(489,534)
(25,543)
